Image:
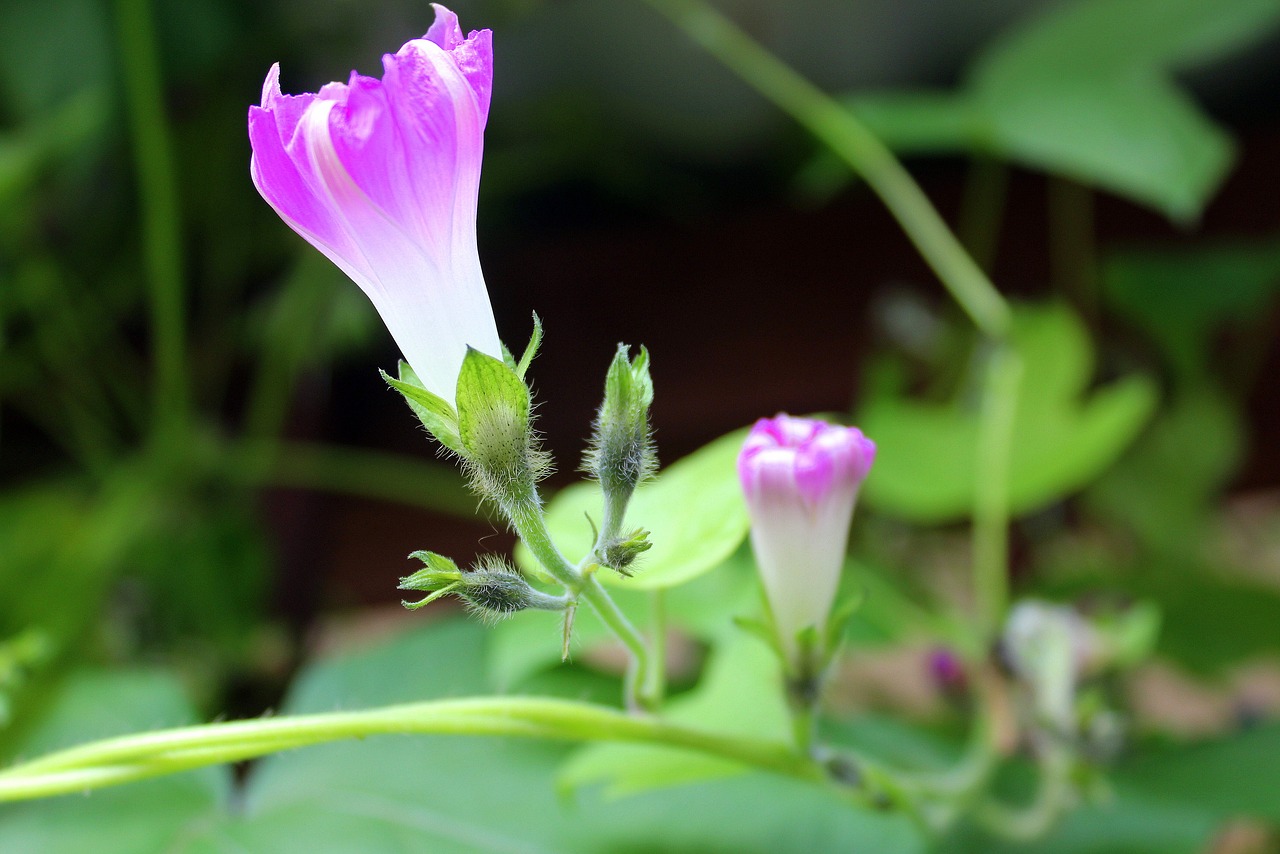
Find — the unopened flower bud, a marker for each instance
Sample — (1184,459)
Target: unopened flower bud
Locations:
(621,552)
(494,589)
(621,453)
(1049,648)
(801,479)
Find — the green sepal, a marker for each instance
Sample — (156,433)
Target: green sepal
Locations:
(433,411)
(443,591)
(621,552)
(437,571)
(494,427)
(531,349)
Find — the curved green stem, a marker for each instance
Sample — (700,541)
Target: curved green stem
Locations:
(1054,795)
(842,132)
(639,685)
(526,517)
(134,757)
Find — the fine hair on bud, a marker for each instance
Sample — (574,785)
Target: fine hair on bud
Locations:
(621,453)
(494,590)
(511,468)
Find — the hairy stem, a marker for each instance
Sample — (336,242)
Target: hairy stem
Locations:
(639,685)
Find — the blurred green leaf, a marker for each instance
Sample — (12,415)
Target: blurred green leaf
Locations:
(1182,298)
(1087,90)
(60,133)
(1164,489)
(408,793)
(739,695)
(693,510)
(1211,622)
(1228,776)
(59,548)
(1124,825)
(50,50)
(926,465)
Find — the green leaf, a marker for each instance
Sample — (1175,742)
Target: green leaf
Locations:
(1165,489)
(455,794)
(1087,90)
(693,510)
(926,464)
(1165,294)
(1226,776)
(433,411)
(740,694)
(1211,623)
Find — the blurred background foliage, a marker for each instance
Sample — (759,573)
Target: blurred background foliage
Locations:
(204,482)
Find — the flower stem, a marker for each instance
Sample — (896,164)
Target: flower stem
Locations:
(656,686)
(531,527)
(991,493)
(161,232)
(639,688)
(134,757)
(834,125)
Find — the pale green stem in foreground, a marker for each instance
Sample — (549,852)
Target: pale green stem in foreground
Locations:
(1054,796)
(161,234)
(134,757)
(991,491)
(656,686)
(836,127)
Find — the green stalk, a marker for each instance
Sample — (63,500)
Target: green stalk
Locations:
(833,124)
(134,757)
(639,687)
(526,517)
(161,232)
(655,688)
(991,492)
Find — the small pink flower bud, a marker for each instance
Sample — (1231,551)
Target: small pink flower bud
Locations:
(801,479)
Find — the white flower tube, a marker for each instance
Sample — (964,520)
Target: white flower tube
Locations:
(801,479)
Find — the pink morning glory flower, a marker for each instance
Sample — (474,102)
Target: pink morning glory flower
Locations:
(382,177)
(801,479)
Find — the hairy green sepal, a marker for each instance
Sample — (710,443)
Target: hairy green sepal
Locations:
(433,411)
